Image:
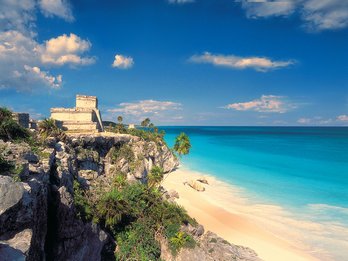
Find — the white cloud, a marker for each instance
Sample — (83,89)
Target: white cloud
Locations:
(304,121)
(19,61)
(342,117)
(122,62)
(60,8)
(325,14)
(66,50)
(44,77)
(24,60)
(19,51)
(255,9)
(17,15)
(317,15)
(258,63)
(318,120)
(267,103)
(163,111)
(181,1)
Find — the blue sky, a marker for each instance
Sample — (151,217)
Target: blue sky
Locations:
(180,62)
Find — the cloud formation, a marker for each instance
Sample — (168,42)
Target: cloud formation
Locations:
(181,1)
(318,120)
(60,8)
(122,62)
(342,117)
(317,15)
(261,64)
(23,60)
(304,121)
(267,103)
(65,50)
(44,77)
(163,111)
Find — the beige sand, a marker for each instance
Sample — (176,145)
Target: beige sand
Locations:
(219,209)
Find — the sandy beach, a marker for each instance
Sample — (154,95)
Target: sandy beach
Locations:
(222,210)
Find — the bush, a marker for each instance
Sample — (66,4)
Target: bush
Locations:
(155,176)
(83,208)
(138,242)
(180,240)
(5,166)
(123,151)
(133,214)
(10,129)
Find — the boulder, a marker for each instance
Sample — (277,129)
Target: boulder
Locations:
(195,185)
(203,180)
(173,194)
(23,218)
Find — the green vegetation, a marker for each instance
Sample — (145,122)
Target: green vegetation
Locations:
(134,214)
(182,144)
(5,166)
(145,123)
(123,151)
(155,176)
(48,128)
(82,205)
(213,240)
(119,126)
(9,168)
(181,239)
(9,128)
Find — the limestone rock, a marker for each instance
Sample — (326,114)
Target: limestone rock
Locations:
(195,185)
(23,218)
(203,180)
(173,194)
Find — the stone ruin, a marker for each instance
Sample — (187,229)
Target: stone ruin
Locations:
(22,119)
(85,117)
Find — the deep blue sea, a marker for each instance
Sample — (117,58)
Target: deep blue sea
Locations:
(302,169)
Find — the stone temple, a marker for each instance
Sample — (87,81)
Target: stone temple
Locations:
(85,117)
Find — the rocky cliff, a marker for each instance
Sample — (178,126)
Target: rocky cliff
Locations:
(38,217)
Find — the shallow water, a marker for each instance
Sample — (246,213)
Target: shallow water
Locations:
(301,170)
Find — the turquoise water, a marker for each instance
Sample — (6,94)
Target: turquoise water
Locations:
(302,169)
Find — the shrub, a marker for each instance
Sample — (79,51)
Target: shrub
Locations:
(155,176)
(83,208)
(138,242)
(10,129)
(111,209)
(5,166)
(123,151)
(48,128)
(180,240)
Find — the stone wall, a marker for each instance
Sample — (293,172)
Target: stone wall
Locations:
(83,101)
(21,118)
(76,115)
(85,117)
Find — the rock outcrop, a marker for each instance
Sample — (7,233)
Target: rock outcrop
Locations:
(195,185)
(38,218)
(209,247)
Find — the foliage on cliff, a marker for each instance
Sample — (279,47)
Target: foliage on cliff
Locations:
(134,214)
(9,128)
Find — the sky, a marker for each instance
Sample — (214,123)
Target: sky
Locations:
(179,62)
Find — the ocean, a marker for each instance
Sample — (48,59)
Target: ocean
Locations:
(302,171)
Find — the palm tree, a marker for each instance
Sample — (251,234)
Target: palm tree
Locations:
(155,176)
(48,127)
(145,123)
(182,144)
(119,124)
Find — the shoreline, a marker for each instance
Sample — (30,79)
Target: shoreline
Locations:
(222,210)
